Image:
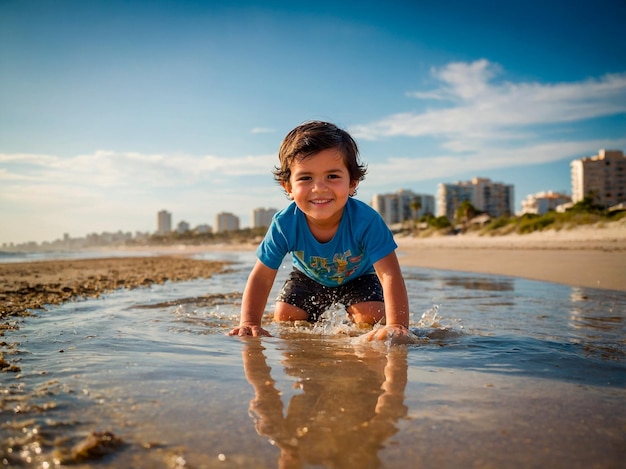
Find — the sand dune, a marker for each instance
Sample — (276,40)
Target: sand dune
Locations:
(587,256)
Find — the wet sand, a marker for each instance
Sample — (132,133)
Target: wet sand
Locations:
(32,285)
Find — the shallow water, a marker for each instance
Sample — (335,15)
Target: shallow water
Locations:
(504,372)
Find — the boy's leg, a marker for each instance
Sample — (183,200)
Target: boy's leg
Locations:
(286,312)
(367,312)
(364,297)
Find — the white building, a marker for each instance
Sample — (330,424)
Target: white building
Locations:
(398,207)
(164,222)
(494,198)
(602,177)
(225,221)
(262,217)
(543,202)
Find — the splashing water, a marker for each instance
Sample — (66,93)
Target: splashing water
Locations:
(430,318)
(336,321)
(333,321)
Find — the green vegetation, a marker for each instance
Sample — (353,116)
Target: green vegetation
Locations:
(552,220)
(465,213)
(582,213)
(435,223)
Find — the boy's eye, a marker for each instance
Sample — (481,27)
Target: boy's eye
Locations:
(304,178)
(333,176)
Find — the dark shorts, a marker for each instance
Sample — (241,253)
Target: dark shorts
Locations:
(315,298)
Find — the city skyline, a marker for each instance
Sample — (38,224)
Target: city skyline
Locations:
(112,111)
(204,224)
(537,203)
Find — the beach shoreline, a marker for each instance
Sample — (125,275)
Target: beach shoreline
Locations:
(587,256)
(33,285)
(592,256)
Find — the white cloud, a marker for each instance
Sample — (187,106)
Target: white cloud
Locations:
(482,110)
(99,191)
(445,167)
(42,196)
(107,169)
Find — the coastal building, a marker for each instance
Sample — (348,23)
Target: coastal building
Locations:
(601,177)
(107,239)
(262,217)
(402,205)
(543,202)
(203,229)
(493,198)
(225,221)
(164,222)
(182,227)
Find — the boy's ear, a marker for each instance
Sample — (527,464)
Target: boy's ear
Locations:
(353,185)
(286,187)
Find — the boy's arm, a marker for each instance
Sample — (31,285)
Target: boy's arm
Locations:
(396,300)
(254,300)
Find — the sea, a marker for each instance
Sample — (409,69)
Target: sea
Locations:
(501,372)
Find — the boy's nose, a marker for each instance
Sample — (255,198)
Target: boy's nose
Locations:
(319,185)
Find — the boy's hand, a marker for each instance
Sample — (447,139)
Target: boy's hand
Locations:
(396,334)
(249,331)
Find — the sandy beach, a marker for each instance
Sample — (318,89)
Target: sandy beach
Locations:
(589,256)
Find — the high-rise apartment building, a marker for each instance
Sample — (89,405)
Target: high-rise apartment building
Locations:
(164,222)
(601,177)
(494,198)
(262,217)
(225,221)
(400,206)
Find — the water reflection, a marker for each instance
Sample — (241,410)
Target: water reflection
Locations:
(480,283)
(606,314)
(598,324)
(344,408)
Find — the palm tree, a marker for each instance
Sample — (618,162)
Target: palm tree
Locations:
(416,206)
(465,213)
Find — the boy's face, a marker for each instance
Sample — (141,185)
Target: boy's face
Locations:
(320,185)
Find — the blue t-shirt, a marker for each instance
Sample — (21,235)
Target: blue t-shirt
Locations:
(362,239)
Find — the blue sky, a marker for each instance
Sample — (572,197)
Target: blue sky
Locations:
(113,110)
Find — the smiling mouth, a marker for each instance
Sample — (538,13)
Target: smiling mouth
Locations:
(320,201)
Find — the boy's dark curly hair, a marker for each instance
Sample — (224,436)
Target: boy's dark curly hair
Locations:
(315,136)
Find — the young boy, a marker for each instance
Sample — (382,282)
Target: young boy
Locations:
(341,248)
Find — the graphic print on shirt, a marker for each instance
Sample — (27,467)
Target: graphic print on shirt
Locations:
(337,269)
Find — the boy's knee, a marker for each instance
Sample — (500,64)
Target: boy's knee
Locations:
(286,312)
